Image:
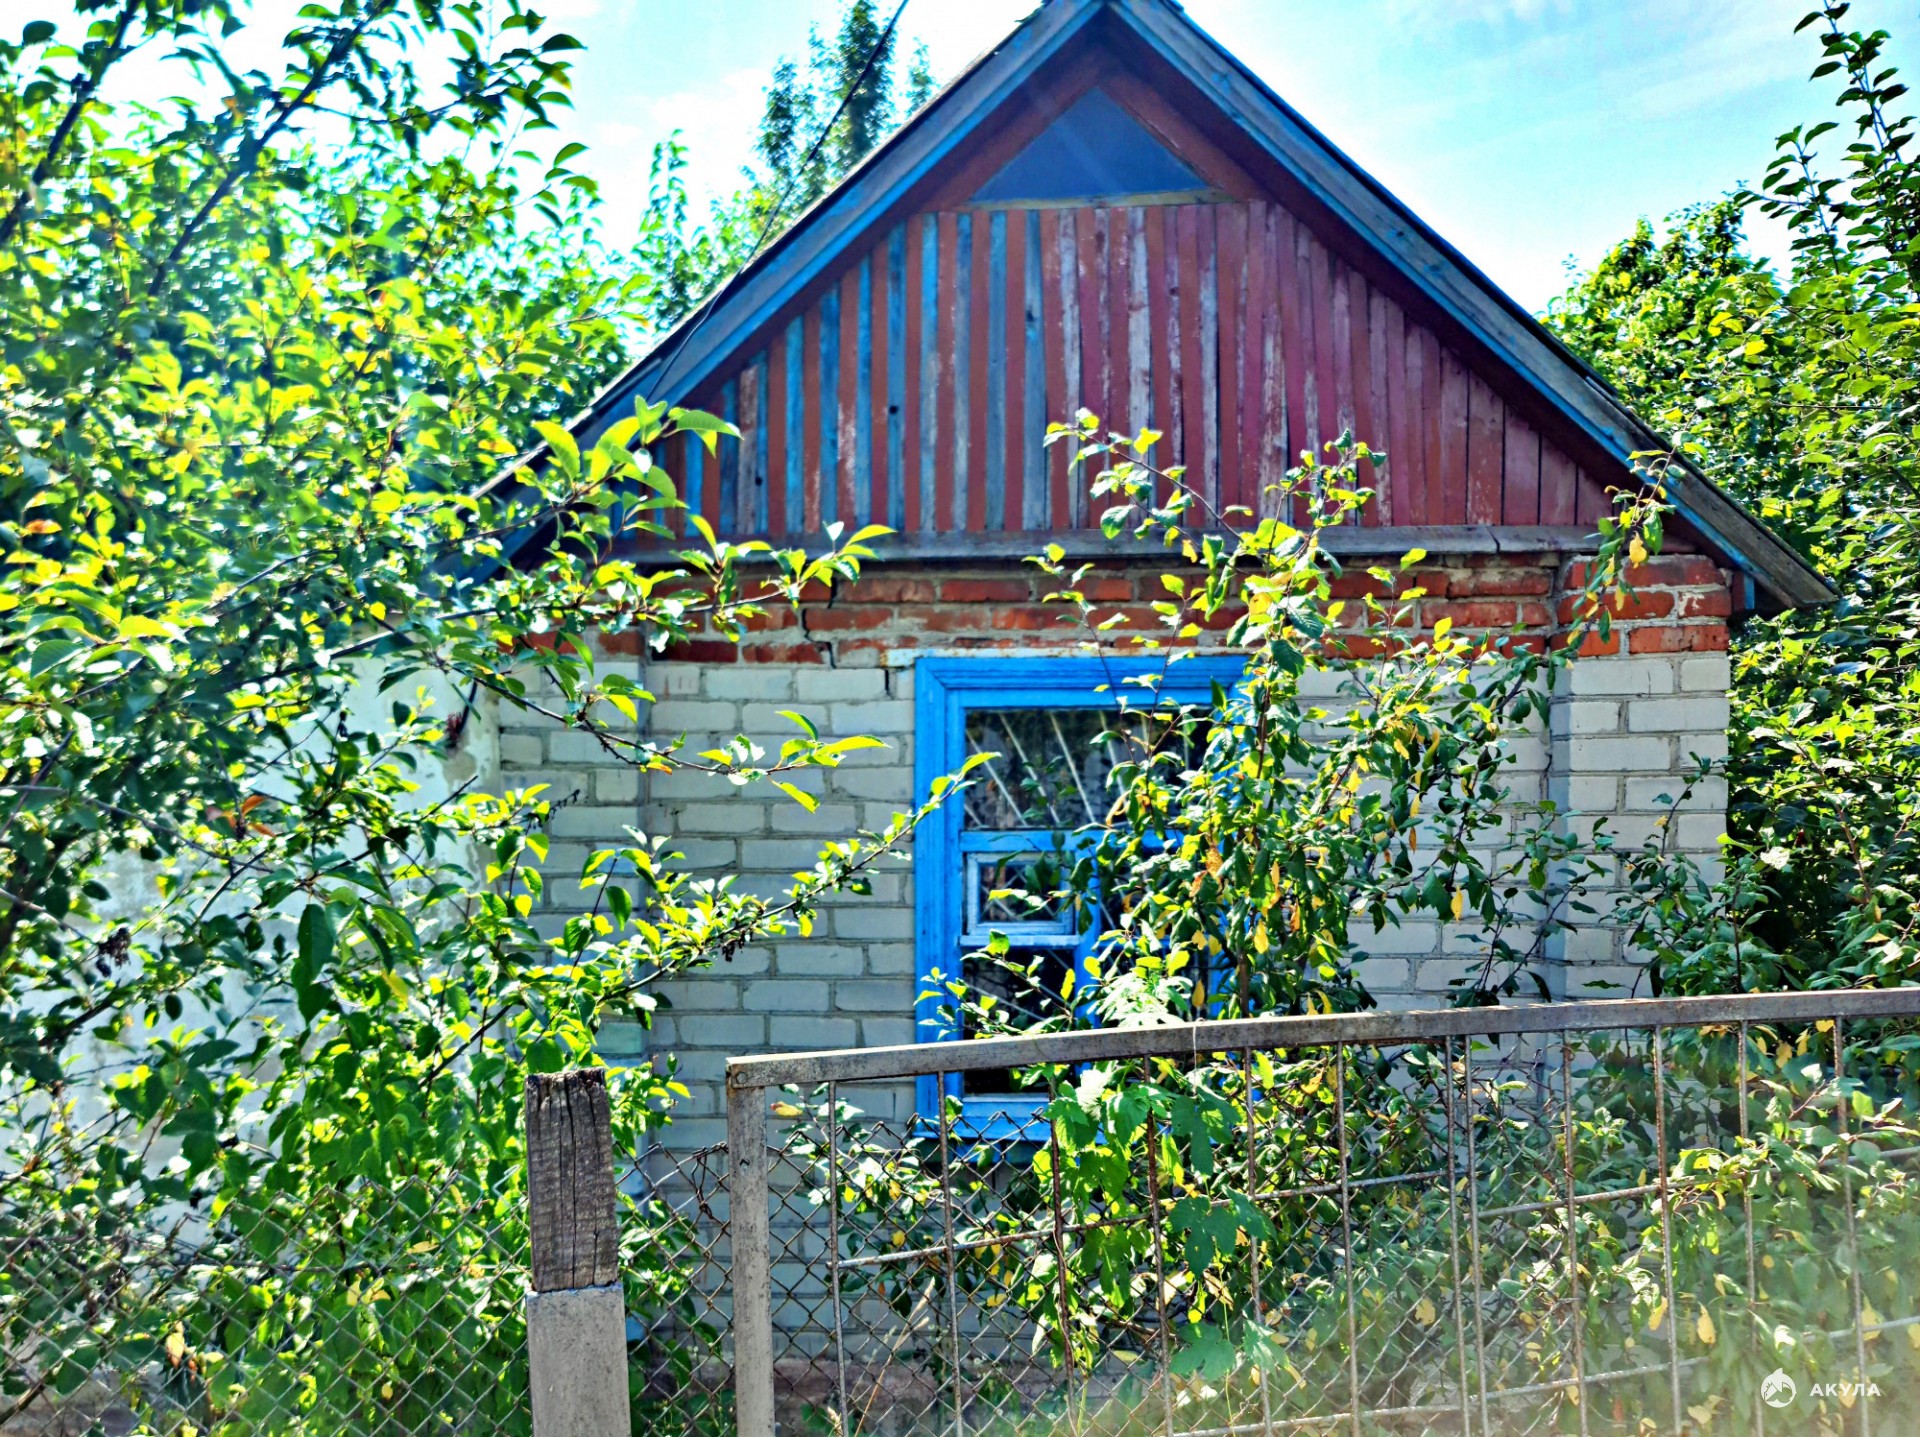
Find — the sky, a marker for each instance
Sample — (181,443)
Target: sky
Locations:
(1530,133)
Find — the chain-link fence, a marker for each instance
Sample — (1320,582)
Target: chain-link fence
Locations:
(1686,1217)
(389,1309)
(1694,1217)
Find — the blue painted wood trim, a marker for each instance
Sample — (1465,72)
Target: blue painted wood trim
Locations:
(830,362)
(944,689)
(896,515)
(996,395)
(795,477)
(727,461)
(1033,498)
(693,483)
(863,401)
(760,479)
(961,359)
(930,359)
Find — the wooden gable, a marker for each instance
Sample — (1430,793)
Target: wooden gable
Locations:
(1110,212)
(914,386)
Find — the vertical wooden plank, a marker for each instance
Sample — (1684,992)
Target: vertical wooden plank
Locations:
(1160,331)
(717,504)
(979,283)
(1053,327)
(1119,414)
(1558,505)
(1067,513)
(1033,450)
(1230,277)
(572,1219)
(1209,247)
(1139,337)
(834,358)
(797,461)
(1486,451)
(1520,481)
(1296,342)
(750,1262)
(1379,418)
(896,510)
(1591,498)
(751,484)
(919,232)
(1252,347)
(1344,407)
(1273,375)
(853,358)
(694,484)
(1402,460)
(1359,377)
(932,371)
(990,396)
(1093,312)
(946,440)
(1432,493)
(810,422)
(778,415)
(1326,416)
(1013,464)
(1191,443)
(880,386)
(1451,490)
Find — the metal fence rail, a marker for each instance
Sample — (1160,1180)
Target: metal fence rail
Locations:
(1612,1217)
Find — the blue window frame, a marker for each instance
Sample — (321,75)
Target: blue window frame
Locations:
(955,861)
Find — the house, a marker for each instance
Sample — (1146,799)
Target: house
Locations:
(1110,211)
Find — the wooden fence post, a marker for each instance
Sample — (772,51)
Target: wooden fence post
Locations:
(576,1315)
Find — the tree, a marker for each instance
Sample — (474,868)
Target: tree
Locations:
(1799,394)
(255,393)
(818,122)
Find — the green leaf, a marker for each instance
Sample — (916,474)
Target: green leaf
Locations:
(315,944)
(799,796)
(709,427)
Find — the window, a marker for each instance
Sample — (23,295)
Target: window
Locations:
(1055,724)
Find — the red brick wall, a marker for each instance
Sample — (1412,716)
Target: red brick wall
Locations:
(1680,603)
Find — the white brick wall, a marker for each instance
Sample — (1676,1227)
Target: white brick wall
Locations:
(1621,730)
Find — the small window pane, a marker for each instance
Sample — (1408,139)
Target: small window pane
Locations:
(1019,893)
(1027,985)
(1054,765)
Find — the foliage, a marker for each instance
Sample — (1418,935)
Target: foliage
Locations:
(1798,394)
(1357,778)
(255,395)
(816,125)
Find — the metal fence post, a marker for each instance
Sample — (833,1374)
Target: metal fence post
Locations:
(576,1315)
(752,1259)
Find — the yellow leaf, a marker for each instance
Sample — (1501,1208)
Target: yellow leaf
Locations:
(176,1347)
(1704,1327)
(1425,1313)
(1637,550)
(787,1110)
(1658,1316)
(1260,940)
(1459,901)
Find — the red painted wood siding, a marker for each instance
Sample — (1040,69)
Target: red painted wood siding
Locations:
(933,362)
